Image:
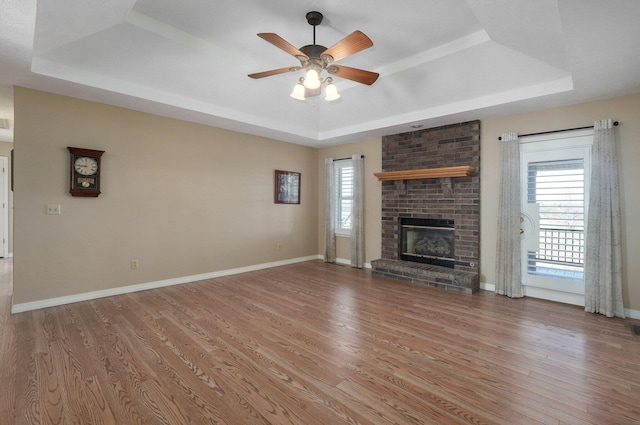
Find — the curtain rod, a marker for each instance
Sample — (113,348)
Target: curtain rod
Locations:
(344,159)
(615,123)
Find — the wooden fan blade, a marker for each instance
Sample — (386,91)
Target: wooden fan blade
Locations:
(275,72)
(353,43)
(357,75)
(281,43)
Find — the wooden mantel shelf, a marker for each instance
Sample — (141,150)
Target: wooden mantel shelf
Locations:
(427,173)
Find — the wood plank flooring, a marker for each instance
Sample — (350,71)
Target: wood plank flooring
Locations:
(314,343)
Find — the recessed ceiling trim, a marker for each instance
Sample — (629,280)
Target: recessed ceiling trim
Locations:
(65,21)
(165,30)
(219,116)
(441,51)
(455,46)
(523,93)
(57,70)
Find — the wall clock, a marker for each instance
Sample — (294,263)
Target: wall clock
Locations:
(85,172)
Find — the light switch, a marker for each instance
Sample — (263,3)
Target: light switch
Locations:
(53,209)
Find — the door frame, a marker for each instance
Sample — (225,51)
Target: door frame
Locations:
(554,142)
(4,198)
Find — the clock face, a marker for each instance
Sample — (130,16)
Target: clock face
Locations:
(85,165)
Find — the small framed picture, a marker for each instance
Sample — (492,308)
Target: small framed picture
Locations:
(287,187)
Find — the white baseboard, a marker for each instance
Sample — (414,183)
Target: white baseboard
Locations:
(632,314)
(87,296)
(488,287)
(551,295)
(535,293)
(53,302)
(346,262)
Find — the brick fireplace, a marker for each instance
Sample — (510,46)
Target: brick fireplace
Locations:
(413,189)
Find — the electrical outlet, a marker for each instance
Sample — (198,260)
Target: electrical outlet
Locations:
(134,264)
(53,209)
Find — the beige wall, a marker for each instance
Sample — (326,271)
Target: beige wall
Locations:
(372,151)
(181,198)
(186,199)
(623,109)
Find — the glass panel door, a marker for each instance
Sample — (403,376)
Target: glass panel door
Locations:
(555,179)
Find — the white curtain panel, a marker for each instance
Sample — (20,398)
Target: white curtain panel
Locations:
(357,217)
(508,271)
(329,212)
(603,253)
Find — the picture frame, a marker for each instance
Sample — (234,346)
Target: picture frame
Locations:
(286,187)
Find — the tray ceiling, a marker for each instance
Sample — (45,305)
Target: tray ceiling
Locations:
(440,61)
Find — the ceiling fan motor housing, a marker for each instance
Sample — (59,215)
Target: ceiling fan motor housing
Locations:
(313,50)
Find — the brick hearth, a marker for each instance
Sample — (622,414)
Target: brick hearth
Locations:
(456,198)
(435,276)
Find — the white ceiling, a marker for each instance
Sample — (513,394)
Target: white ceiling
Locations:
(440,61)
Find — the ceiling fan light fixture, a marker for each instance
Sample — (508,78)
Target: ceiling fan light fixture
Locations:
(298,91)
(312,79)
(331,91)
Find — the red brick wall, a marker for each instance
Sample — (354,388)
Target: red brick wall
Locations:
(447,198)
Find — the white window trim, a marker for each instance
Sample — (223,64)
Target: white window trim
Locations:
(340,231)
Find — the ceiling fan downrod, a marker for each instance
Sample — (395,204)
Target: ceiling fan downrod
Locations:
(314,18)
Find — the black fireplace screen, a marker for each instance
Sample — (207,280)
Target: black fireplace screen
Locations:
(428,241)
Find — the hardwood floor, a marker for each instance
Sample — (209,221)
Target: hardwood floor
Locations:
(313,343)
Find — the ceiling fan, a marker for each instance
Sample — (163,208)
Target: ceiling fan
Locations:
(315,58)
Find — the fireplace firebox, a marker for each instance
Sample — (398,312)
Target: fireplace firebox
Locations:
(425,240)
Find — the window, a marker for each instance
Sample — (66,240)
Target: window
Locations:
(344,197)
